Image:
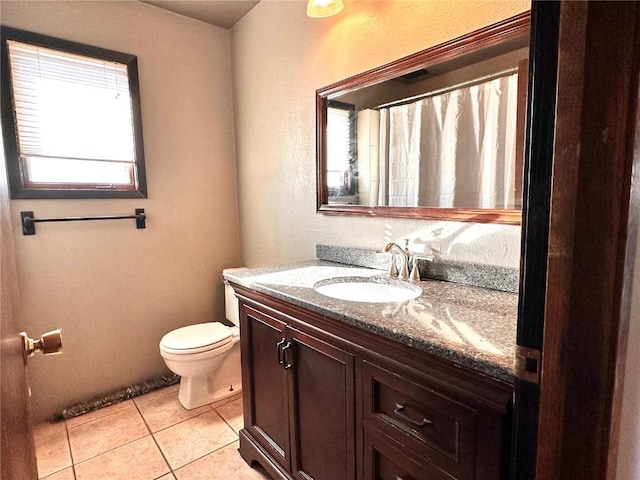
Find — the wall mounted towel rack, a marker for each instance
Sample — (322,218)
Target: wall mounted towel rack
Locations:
(29,228)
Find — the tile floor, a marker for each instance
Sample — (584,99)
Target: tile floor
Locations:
(149,437)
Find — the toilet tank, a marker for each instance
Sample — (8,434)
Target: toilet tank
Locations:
(230,300)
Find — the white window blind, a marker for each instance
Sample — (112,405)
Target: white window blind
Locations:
(73,117)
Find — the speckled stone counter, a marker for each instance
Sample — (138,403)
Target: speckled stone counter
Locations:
(470,326)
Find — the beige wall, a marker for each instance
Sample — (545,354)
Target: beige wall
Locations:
(280,57)
(115,290)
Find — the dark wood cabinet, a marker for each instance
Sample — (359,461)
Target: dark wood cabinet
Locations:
(300,392)
(324,400)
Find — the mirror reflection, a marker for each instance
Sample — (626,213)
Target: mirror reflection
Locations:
(446,134)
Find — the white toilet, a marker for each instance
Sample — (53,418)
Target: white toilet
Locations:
(206,356)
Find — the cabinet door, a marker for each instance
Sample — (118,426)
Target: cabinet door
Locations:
(264,382)
(322,422)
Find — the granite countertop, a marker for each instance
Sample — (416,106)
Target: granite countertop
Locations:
(467,325)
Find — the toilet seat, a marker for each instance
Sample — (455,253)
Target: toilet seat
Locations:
(198,338)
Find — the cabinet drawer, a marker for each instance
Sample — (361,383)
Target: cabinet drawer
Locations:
(386,460)
(438,429)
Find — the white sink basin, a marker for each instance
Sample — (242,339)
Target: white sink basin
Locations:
(369,290)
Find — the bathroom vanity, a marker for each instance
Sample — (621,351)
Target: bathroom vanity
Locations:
(338,390)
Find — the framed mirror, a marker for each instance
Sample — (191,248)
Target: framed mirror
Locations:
(438,134)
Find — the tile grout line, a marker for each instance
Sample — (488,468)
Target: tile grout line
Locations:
(211,409)
(177,423)
(132,399)
(43,477)
(155,441)
(73,465)
(95,419)
(108,451)
(206,454)
(227,423)
(157,396)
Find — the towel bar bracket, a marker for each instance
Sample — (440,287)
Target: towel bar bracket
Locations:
(141,218)
(29,228)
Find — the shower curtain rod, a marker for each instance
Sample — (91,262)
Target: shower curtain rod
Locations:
(28,220)
(451,88)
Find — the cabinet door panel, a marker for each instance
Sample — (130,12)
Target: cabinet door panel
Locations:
(266,413)
(322,417)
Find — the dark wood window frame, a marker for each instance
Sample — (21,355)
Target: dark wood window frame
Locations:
(19,188)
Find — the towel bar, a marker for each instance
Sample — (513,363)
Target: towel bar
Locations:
(29,228)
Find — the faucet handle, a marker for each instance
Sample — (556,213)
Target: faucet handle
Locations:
(415,270)
(406,245)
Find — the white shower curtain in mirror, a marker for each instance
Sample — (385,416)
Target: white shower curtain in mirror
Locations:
(456,149)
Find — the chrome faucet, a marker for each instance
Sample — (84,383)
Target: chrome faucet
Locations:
(404,255)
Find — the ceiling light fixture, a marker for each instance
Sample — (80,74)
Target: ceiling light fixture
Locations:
(324,8)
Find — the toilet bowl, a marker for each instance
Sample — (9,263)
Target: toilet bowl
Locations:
(207,357)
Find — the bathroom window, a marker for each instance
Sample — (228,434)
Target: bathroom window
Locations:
(71,120)
(342,169)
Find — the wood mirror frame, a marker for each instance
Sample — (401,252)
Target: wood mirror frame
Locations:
(509,30)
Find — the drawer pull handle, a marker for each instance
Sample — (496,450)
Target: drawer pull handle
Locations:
(398,412)
(287,363)
(278,347)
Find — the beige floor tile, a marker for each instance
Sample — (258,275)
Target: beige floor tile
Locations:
(223,464)
(139,460)
(156,393)
(224,401)
(168,476)
(66,474)
(106,433)
(232,414)
(194,438)
(162,412)
(48,428)
(96,414)
(52,453)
